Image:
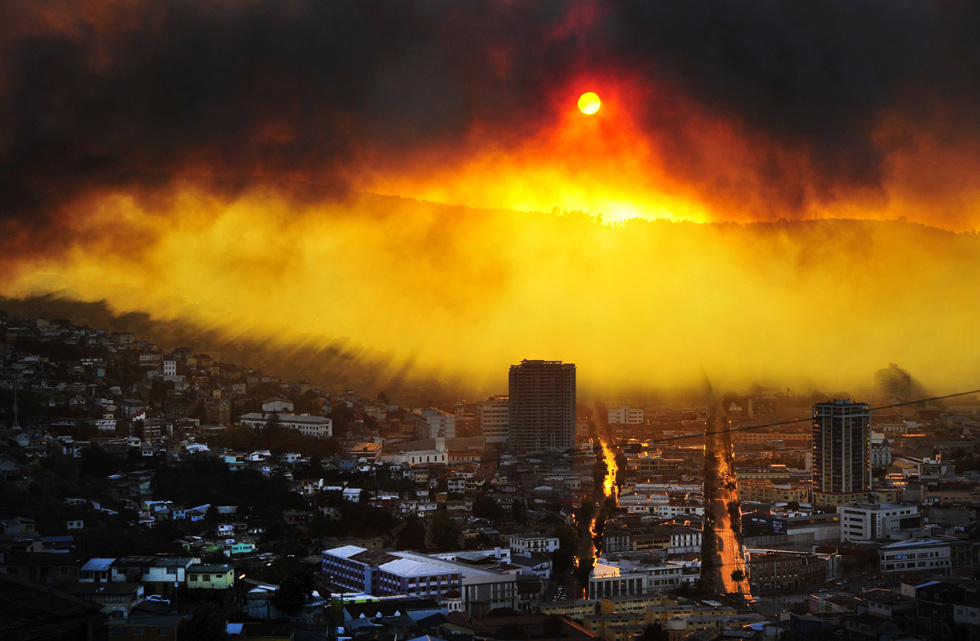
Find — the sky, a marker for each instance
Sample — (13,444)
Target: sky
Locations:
(772,192)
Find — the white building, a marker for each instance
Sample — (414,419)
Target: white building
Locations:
(416,578)
(494,418)
(674,511)
(625,578)
(317,426)
(277,404)
(683,539)
(424,452)
(625,416)
(525,545)
(430,423)
(881,454)
(383,573)
(169,368)
(916,555)
(867,522)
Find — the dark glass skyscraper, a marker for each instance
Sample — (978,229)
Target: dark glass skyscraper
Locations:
(841,452)
(542,406)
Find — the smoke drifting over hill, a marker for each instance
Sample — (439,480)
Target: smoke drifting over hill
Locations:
(423,289)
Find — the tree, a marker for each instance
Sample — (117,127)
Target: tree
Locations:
(207,622)
(484,507)
(654,632)
(553,627)
(272,422)
(738,576)
(445,532)
(294,590)
(518,512)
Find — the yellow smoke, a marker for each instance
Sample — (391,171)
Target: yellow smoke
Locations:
(468,292)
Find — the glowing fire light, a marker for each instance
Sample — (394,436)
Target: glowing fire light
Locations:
(589,103)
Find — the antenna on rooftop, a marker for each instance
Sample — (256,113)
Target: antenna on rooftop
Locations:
(16,422)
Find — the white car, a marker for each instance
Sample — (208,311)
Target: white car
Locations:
(156,598)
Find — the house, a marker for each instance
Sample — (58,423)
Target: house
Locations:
(220,576)
(96,570)
(34,612)
(277,404)
(117,599)
(46,568)
(159,627)
(158,574)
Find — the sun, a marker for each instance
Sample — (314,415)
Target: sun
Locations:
(589,103)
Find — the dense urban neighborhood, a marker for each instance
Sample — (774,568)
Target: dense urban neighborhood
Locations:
(154,492)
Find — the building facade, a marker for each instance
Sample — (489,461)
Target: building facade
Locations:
(494,418)
(867,522)
(625,416)
(432,423)
(542,406)
(841,452)
(305,424)
(780,571)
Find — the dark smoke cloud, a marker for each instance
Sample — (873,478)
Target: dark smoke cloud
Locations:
(99,96)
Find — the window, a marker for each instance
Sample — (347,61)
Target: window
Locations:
(136,630)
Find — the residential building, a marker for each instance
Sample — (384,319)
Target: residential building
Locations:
(542,406)
(433,423)
(524,545)
(158,574)
(116,598)
(841,452)
(211,576)
(881,453)
(625,416)
(893,384)
(773,572)
(494,419)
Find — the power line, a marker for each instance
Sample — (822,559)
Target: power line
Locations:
(807,419)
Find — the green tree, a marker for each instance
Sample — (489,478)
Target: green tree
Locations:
(484,507)
(561,559)
(445,532)
(738,576)
(207,622)
(294,590)
(553,627)
(518,512)
(272,422)
(654,632)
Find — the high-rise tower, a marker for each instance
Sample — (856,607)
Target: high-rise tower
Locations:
(841,452)
(542,406)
